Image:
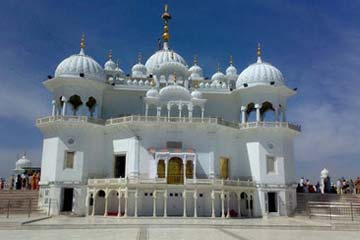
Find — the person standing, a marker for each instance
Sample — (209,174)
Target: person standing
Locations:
(338,186)
(12,182)
(18,182)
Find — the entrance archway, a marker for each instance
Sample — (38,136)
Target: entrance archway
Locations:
(175,171)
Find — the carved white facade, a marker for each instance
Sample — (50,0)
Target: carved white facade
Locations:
(165,141)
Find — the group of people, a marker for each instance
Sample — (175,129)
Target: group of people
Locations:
(342,186)
(21,182)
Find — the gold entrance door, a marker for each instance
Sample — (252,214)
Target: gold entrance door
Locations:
(175,171)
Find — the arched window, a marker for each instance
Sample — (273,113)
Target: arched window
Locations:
(250,112)
(91,104)
(75,102)
(161,169)
(267,112)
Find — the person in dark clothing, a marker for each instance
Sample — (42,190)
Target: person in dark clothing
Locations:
(18,182)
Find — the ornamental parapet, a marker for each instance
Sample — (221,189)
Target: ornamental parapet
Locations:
(155,119)
(119,182)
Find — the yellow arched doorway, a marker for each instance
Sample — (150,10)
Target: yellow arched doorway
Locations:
(175,171)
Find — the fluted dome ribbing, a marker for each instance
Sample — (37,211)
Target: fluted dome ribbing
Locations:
(76,64)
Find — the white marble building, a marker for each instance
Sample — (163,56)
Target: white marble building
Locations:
(165,141)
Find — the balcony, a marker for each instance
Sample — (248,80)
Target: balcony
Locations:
(154,119)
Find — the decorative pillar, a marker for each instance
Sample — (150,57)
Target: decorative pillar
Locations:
(146,110)
(194,168)
(53,112)
(222,205)
(93,208)
(166,168)
(213,204)
(154,203)
(180,110)
(195,203)
(158,111)
(64,100)
(136,203)
(165,203)
(126,202)
(248,200)
(258,117)
(87,203)
(169,109)
(243,114)
(119,207)
(284,114)
(106,202)
(239,205)
(277,114)
(190,112)
(184,199)
(228,205)
(202,113)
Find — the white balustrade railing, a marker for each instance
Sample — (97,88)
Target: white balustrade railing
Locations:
(144,119)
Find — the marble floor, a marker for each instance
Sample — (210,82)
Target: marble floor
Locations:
(174,233)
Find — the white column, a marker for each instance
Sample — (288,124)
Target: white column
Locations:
(106,204)
(243,114)
(284,114)
(277,114)
(202,113)
(228,205)
(64,100)
(93,208)
(53,112)
(166,168)
(154,203)
(222,205)
(136,203)
(195,203)
(184,169)
(126,202)
(158,111)
(165,203)
(190,112)
(239,205)
(212,204)
(184,199)
(258,106)
(169,110)
(146,110)
(180,107)
(119,207)
(248,200)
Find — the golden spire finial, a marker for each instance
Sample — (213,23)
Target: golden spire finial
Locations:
(259,52)
(218,67)
(196,84)
(166,16)
(231,60)
(110,54)
(195,59)
(139,57)
(82,43)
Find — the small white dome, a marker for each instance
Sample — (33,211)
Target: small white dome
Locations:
(76,64)
(218,77)
(174,93)
(110,65)
(196,94)
(260,73)
(119,71)
(152,93)
(166,62)
(201,85)
(23,162)
(324,173)
(196,71)
(231,73)
(139,71)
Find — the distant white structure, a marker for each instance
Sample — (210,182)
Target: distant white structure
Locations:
(21,164)
(165,141)
(323,179)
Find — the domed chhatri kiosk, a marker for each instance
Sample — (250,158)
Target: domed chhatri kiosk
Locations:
(165,141)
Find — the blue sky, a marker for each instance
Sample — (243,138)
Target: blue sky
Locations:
(314,43)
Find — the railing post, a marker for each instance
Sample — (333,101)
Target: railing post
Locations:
(8,209)
(351,212)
